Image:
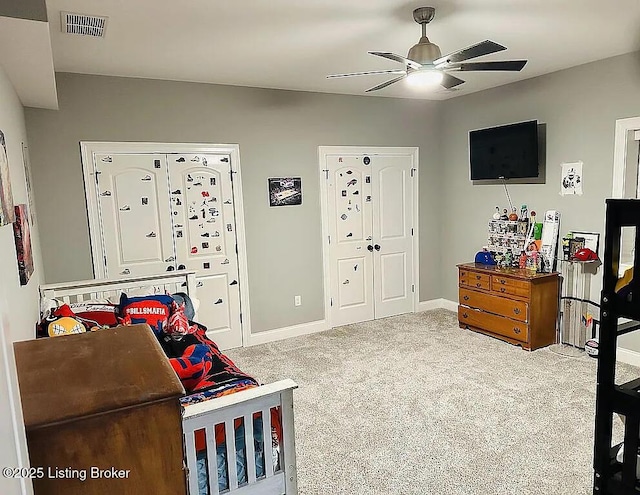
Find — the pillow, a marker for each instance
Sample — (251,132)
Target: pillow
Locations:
(152,310)
(95,314)
(62,321)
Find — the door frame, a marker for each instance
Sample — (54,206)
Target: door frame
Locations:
(323,152)
(623,126)
(88,150)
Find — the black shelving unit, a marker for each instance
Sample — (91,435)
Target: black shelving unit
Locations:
(610,476)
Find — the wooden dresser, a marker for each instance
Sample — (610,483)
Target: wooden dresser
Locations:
(105,400)
(515,305)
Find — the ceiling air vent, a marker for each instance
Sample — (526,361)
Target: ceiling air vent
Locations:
(86,25)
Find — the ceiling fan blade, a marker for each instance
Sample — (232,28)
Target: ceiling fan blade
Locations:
(385,84)
(369,73)
(506,65)
(483,48)
(449,81)
(398,58)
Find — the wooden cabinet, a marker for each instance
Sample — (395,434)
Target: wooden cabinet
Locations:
(518,306)
(101,414)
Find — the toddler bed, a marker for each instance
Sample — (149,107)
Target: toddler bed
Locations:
(254,426)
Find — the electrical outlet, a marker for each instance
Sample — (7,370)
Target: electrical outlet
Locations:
(297,301)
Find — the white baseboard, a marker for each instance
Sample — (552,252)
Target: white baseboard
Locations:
(287,332)
(438,304)
(627,356)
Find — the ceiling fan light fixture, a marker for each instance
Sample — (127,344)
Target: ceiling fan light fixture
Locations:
(425,78)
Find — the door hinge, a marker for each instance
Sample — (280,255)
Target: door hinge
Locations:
(240,317)
(412,171)
(329,239)
(326,173)
(412,231)
(413,288)
(331,301)
(236,249)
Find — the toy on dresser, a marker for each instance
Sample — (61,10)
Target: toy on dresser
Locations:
(517,240)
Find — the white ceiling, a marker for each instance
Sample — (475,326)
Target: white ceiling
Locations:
(291,44)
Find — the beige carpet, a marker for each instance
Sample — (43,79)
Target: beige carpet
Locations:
(415,405)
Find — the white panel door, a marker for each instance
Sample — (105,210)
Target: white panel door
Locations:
(351,247)
(134,214)
(392,235)
(203,215)
(370,225)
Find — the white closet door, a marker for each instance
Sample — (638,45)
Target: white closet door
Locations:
(370,219)
(392,234)
(204,224)
(135,214)
(351,246)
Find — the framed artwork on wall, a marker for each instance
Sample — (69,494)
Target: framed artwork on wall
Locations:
(285,191)
(22,236)
(28,181)
(7,213)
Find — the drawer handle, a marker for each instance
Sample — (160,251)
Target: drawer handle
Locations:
(516,311)
(466,298)
(503,281)
(502,289)
(465,315)
(478,284)
(516,330)
(478,277)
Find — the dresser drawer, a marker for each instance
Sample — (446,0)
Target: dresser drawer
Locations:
(499,325)
(474,279)
(494,304)
(511,286)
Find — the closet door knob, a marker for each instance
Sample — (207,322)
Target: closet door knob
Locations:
(377,247)
(370,247)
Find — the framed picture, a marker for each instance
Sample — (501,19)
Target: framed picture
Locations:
(285,191)
(591,239)
(7,213)
(28,181)
(575,245)
(22,237)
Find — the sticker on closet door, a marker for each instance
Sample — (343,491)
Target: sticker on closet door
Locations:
(352,287)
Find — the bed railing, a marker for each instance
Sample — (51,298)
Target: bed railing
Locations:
(70,292)
(243,406)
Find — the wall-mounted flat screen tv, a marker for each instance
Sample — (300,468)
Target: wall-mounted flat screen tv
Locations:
(504,152)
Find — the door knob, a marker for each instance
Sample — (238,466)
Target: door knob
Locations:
(370,247)
(377,247)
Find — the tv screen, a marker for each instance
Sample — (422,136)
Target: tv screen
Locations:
(509,151)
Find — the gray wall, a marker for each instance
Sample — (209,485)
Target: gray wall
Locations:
(278,133)
(35,10)
(579,107)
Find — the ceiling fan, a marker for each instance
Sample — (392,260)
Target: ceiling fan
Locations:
(425,65)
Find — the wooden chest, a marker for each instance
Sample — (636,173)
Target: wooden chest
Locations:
(102,414)
(515,305)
